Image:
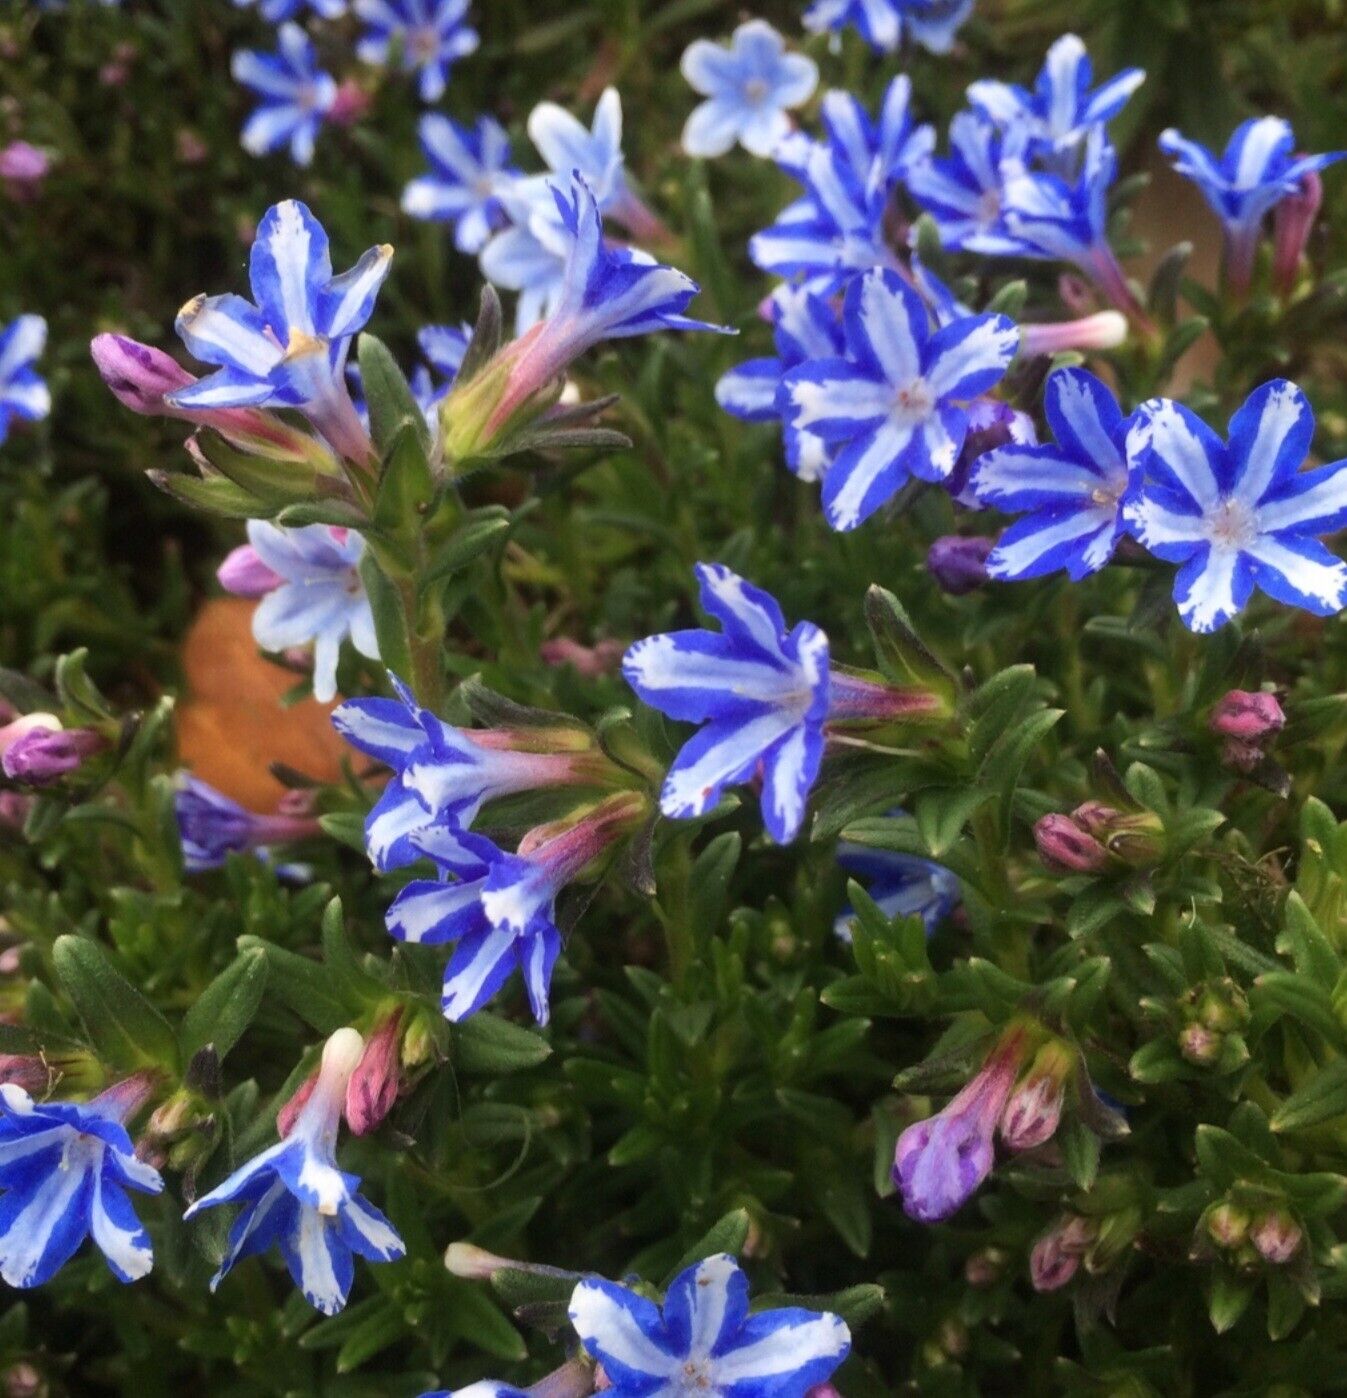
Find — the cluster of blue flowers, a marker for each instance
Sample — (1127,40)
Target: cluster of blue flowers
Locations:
(297,96)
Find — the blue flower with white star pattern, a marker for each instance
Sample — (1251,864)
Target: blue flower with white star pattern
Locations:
(884,24)
(469,167)
(430,36)
(296,95)
(23,393)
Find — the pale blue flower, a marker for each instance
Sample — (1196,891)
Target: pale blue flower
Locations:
(288,350)
(469,166)
(296,95)
(750,87)
(1258,170)
(1071,495)
(883,24)
(761,692)
(703,1340)
(1241,513)
(895,405)
(1061,111)
(569,148)
(431,36)
(295,1196)
(23,393)
(320,600)
(65,1168)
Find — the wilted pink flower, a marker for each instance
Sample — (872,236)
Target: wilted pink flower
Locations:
(1101,331)
(1292,225)
(1277,1236)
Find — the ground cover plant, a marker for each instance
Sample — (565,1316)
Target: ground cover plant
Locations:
(672,697)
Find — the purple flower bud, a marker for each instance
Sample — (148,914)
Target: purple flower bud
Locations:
(959,564)
(26,1071)
(1034,1110)
(991,424)
(1277,1236)
(36,750)
(939,1163)
(245,575)
(1292,225)
(1251,716)
(1065,848)
(373,1087)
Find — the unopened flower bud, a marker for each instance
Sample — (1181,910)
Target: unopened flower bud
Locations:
(959,563)
(1277,1236)
(1199,1045)
(1251,716)
(1056,1256)
(602,658)
(472,1263)
(1242,756)
(36,749)
(23,168)
(289,1113)
(14,811)
(373,1087)
(1227,1225)
(1222,1006)
(1101,331)
(1065,848)
(243,573)
(1034,1111)
(984,1268)
(26,1071)
(1292,225)
(350,104)
(24,1380)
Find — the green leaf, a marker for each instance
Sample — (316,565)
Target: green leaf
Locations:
(728,1233)
(709,882)
(226,1007)
(488,1044)
(1323,1097)
(902,655)
(478,531)
(486,335)
(382,1326)
(392,405)
(390,622)
(942,813)
(406,489)
(1310,1002)
(1227,1299)
(121,1024)
(301,984)
(215,494)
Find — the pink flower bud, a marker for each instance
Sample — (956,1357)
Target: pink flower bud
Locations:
(602,658)
(1292,225)
(289,1113)
(1252,717)
(959,565)
(138,375)
(245,575)
(14,809)
(1056,1256)
(373,1086)
(350,104)
(1199,1045)
(1101,331)
(1033,1113)
(823,1390)
(1065,848)
(26,1071)
(472,1263)
(1277,1236)
(23,168)
(189,147)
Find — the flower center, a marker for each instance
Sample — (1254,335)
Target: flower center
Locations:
(755,89)
(989,207)
(914,401)
(423,44)
(695,1378)
(1232,523)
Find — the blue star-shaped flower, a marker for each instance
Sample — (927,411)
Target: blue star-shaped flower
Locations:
(837,229)
(469,166)
(1241,513)
(1055,218)
(296,95)
(288,350)
(1071,495)
(273,11)
(761,692)
(1258,169)
(805,326)
(750,87)
(883,23)
(321,600)
(65,1168)
(568,148)
(896,405)
(704,1341)
(1061,110)
(431,36)
(295,1196)
(962,193)
(23,394)
(901,885)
